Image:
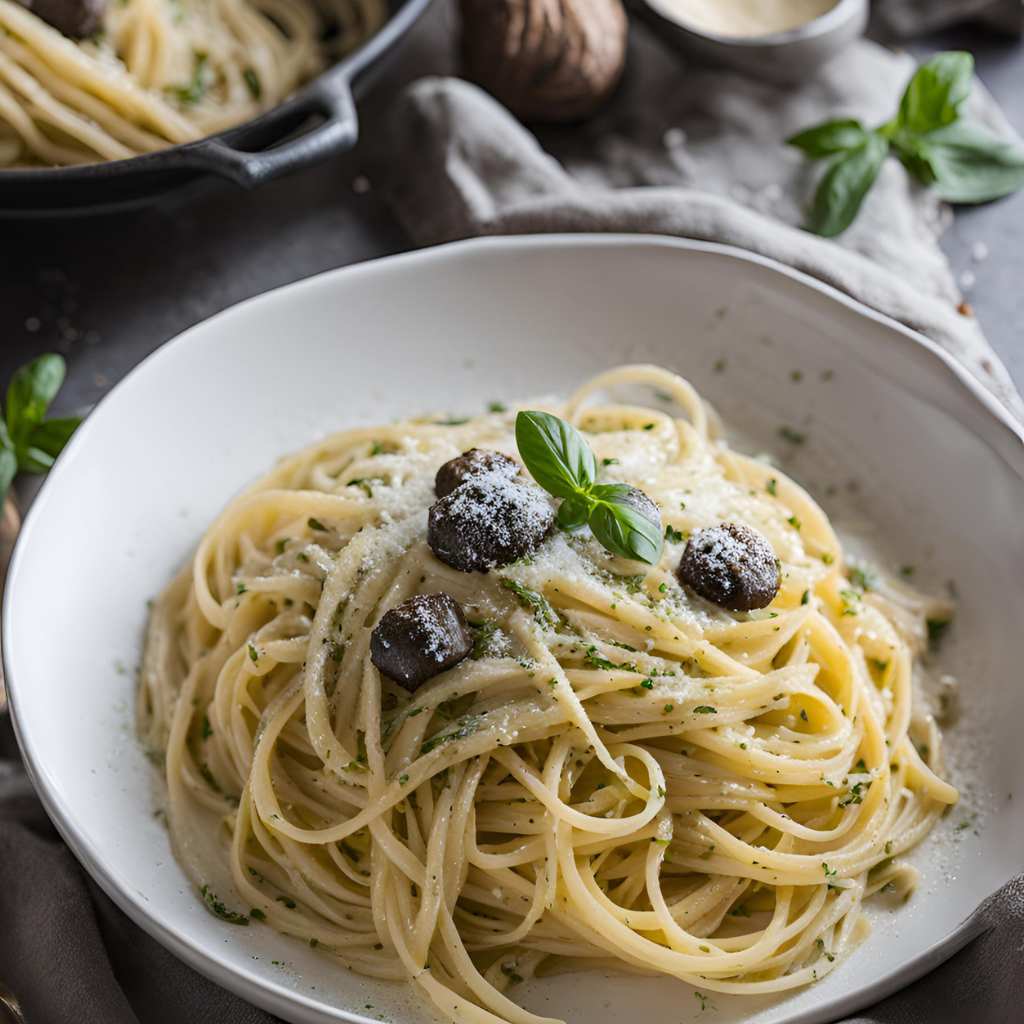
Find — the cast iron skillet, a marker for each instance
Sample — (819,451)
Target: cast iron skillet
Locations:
(249,154)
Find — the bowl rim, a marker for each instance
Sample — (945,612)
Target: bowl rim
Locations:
(1003,433)
(837,16)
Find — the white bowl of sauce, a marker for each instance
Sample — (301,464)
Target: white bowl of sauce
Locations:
(780,40)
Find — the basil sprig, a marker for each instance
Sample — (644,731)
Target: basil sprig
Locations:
(622,518)
(28,441)
(957,158)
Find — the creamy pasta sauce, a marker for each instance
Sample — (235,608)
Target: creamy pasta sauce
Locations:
(747,18)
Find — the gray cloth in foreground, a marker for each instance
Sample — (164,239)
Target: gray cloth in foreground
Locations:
(698,153)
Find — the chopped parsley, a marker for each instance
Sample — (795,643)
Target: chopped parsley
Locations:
(705,709)
(672,535)
(193,91)
(542,610)
(463,730)
(863,578)
(253,81)
(315,524)
(792,436)
(218,908)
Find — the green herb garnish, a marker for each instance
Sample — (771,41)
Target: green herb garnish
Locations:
(193,91)
(252,80)
(956,157)
(231,916)
(562,462)
(28,442)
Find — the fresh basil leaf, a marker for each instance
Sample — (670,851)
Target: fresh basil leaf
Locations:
(613,492)
(624,531)
(51,435)
(33,387)
(32,460)
(827,139)
(574,512)
(966,163)
(938,87)
(8,469)
(555,453)
(844,186)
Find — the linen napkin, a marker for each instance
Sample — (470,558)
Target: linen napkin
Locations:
(695,152)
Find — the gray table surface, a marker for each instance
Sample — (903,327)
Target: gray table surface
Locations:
(107,291)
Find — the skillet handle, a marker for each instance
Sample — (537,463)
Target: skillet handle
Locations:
(330,97)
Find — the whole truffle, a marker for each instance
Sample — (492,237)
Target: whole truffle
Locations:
(420,638)
(77,19)
(488,521)
(546,60)
(730,565)
(475,462)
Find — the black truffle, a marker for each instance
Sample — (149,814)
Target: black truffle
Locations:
(77,19)
(475,462)
(488,521)
(730,565)
(420,638)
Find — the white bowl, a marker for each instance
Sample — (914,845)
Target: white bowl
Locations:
(939,466)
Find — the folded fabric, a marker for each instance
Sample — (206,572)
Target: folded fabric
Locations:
(698,153)
(914,17)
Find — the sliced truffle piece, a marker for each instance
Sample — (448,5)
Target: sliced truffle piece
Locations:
(730,565)
(488,521)
(420,638)
(475,462)
(76,19)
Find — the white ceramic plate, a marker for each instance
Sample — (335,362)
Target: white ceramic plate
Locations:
(907,442)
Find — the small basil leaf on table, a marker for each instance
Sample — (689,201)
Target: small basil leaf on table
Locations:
(938,87)
(844,186)
(30,392)
(830,138)
(8,469)
(27,441)
(969,164)
(51,435)
(32,460)
(555,453)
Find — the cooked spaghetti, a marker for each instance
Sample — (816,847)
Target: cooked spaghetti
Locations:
(160,72)
(621,775)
